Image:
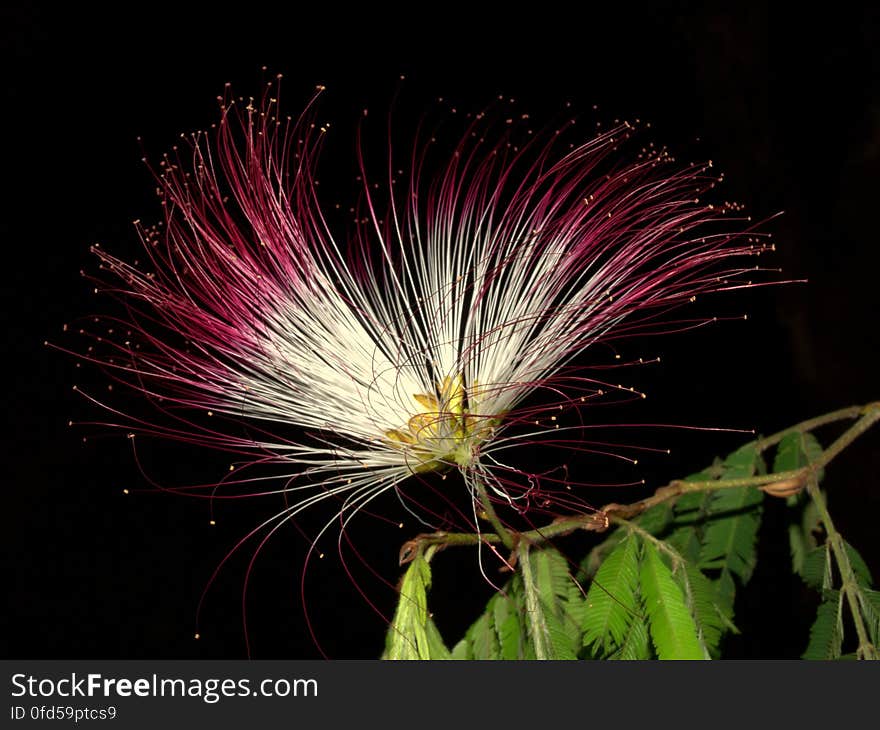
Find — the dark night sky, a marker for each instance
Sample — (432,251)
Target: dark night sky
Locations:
(788,106)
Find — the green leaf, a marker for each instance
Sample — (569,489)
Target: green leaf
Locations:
(463,650)
(711,616)
(635,642)
(509,621)
(725,593)
(797,450)
(538,631)
(691,510)
(482,637)
(859,566)
(826,634)
(797,544)
(508,627)
(562,609)
(730,535)
(802,531)
(872,597)
(566,599)
(656,519)
(741,463)
(687,541)
(611,601)
(594,559)
(408,636)
(817,568)
(436,646)
(558,588)
(811,521)
(869,603)
(553,604)
(561,640)
(672,628)
(691,507)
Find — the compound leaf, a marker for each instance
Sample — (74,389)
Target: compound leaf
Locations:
(859,566)
(672,628)
(826,634)
(730,534)
(797,450)
(635,645)
(711,616)
(553,605)
(611,601)
(482,636)
(817,568)
(408,635)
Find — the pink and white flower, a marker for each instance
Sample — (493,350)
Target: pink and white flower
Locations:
(411,345)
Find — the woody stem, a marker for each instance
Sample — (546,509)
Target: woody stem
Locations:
(870,414)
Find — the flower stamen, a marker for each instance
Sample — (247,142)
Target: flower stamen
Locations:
(445,431)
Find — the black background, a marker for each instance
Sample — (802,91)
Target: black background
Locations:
(787,104)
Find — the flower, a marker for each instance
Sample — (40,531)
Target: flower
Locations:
(414,344)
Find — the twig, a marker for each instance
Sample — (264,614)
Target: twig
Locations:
(849,583)
(811,424)
(778,484)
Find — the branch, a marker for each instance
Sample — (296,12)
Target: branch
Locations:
(849,582)
(780,484)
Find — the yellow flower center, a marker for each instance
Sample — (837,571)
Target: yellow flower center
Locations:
(447,429)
